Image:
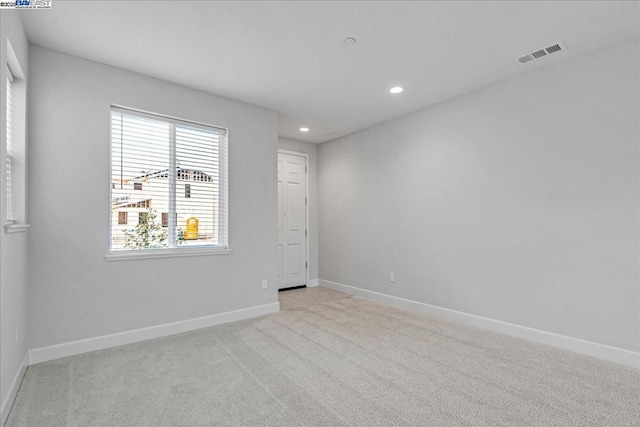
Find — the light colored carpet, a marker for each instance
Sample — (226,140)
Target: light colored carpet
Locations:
(333,360)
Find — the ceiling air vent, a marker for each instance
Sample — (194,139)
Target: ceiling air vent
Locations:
(541,53)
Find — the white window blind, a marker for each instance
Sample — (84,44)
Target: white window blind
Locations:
(153,159)
(9,178)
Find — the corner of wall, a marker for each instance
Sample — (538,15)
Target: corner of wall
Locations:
(14,249)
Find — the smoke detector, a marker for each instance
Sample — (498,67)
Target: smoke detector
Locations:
(541,53)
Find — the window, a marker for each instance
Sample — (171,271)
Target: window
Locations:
(14,204)
(163,153)
(123,217)
(9,146)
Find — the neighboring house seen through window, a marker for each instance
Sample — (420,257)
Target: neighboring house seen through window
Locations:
(153,156)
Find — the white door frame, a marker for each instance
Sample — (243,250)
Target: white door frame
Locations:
(306,206)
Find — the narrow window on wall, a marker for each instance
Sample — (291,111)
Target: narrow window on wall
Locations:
(9,147)
(15,144)
(123,217)
(151,158)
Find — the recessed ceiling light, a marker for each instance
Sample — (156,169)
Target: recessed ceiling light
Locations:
(349,41)
(396,89)
(304,129)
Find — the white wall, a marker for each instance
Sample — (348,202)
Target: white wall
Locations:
(74,293)
(312,151)
(13,247)
(517,202)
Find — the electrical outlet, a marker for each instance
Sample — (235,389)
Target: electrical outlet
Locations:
(264,284)
(17,339)
(392,277)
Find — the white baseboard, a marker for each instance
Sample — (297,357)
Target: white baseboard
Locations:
(589,348)
(13,390)
(312,283)
(44,354)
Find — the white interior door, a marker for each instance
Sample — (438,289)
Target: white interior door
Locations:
(292,220)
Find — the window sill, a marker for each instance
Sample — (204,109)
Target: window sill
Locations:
(16,228)
(164,253)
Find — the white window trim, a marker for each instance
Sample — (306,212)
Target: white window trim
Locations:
(16,228)
(165,253)
(174,252)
